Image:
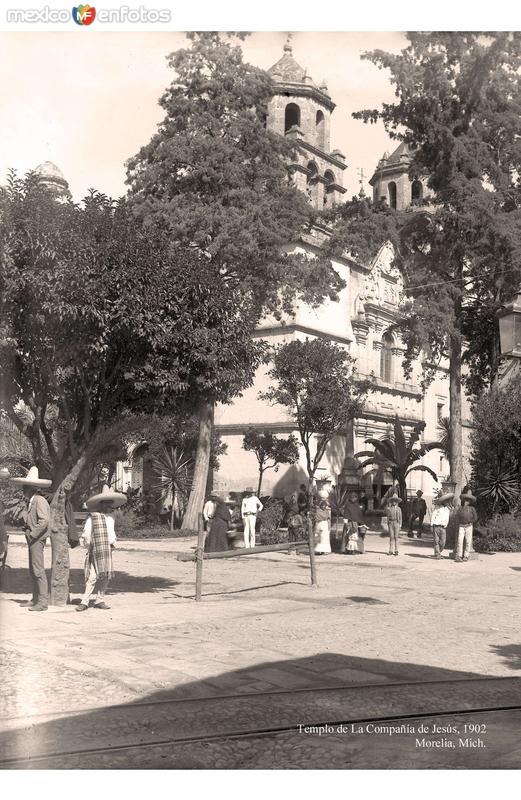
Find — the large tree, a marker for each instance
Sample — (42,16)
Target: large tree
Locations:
(458,108)
(314,381)
(216,178)
(101,316)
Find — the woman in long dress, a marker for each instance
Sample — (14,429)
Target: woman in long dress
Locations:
(322,537)
(217,539)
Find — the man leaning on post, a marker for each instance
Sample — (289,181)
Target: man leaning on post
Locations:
(37,528)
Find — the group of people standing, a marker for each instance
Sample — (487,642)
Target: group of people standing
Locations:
(463,517)
(218,521)
(98,537)
(319,512)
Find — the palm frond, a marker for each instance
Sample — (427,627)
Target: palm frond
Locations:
(422,468)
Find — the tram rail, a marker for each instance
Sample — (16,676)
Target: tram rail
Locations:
(227,729)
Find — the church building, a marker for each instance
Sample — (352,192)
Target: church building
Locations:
(361,321)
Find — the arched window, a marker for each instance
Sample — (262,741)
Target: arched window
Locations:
(291,116)
(329,194)
(321,130)
(392,194)
(386,358)
(329,176)
(416,192)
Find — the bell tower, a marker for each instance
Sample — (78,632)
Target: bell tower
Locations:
(301,111)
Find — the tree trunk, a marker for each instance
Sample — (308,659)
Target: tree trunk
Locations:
(202,463)
(402,484)
(455,428)
(261,475)
(172,512)
(59,537)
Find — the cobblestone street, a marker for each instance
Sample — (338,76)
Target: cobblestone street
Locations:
(261,629)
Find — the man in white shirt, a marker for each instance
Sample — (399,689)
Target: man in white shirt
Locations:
(208,511)
(439,521)
(251,505)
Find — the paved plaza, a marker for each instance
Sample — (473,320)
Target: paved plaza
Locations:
(381,637)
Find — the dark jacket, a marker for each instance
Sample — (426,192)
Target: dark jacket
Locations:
(466,515)
(217,538)
(353,512)
(38,518)
(419,506)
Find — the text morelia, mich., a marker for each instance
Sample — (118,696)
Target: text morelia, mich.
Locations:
(449,744)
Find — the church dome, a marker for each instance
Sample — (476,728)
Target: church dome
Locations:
(287,70)
(51,175)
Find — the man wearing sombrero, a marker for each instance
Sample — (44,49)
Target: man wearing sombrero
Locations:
(466,517)
(37,519)
(439,521)
(99,536)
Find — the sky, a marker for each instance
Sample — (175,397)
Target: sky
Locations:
(88,103)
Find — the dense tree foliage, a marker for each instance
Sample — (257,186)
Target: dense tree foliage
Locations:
(496,448)
(458,108)
(314,381)
(216,179)
(102,317)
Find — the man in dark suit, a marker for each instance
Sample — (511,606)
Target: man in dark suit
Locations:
(418,511)
(37,529)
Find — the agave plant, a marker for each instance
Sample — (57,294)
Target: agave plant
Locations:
(502,489)
(338,498)
(174,470)
(398,456)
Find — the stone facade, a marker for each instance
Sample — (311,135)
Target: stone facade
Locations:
(360,321)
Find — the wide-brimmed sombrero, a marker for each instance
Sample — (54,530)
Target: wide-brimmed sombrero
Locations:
(394,497)
(444,498)
(32,479)
(109,495)
(468,496)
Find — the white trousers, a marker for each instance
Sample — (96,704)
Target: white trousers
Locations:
(250,521)
(464,538)
(90,585)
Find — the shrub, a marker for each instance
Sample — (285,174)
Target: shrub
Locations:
(126,520)
(268,537)
(155,532)
(502,535)
(272,514)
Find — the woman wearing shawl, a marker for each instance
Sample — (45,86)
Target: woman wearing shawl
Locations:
(217,538)
(322,519)
(99,537)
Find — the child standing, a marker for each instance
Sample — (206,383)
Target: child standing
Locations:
(394,521)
